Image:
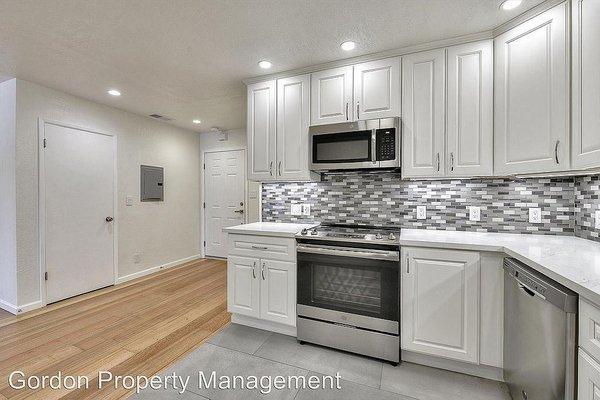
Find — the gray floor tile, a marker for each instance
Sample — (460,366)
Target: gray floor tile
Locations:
(240,337)
(426,383)
(354,368)
(226,362)
(349,391)
(165,394)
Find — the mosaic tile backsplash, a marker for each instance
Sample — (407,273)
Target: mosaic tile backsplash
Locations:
(382,198)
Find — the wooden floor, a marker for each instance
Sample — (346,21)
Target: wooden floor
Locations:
(139,328)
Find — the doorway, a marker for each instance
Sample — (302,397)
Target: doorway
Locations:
(224,198)
(77,210)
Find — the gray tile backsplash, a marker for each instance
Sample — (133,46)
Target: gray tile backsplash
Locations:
(382,198)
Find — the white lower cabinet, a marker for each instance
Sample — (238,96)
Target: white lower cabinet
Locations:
(261,278)
(440,303)
(588,381)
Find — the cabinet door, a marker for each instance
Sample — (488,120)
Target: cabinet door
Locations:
(261,134)
(586,83)
(440,303)
(331,96)
(588,380)
(423,117)
(377,89)
(470,123)
(278,292)
(293,118)
(532,95)
(243,285)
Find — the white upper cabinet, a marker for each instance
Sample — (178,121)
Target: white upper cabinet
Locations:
(440,303)
(261,130)
(423,116)
(293,118)
(532,95)
(377,89)
(331,96)
(586,83)
(470,108)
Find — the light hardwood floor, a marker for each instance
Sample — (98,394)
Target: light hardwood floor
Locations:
(138,328)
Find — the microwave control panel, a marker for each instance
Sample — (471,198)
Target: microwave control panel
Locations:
(386,144)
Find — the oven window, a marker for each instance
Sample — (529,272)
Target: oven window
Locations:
(342,147)
(349,288)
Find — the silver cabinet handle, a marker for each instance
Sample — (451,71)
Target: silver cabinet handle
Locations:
(347,105)
(259,247)
(438,162)
(452,161)
(348,252)
(407,263)
(357,110)
(262,271)
(271,168)
(556,151)
(279,168)
(254,270)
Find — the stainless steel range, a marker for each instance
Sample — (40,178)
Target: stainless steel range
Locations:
(348,289)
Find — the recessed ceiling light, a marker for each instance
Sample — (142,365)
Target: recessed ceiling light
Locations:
(347,46)
(197,121)
(264,64)
(510,4)
(114,92)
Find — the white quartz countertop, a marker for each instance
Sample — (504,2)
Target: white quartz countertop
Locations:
(571,261)
(269,229)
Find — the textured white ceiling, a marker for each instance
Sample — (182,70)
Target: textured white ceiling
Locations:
(186,58)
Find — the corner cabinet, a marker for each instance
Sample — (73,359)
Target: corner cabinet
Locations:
(532,89)
(277,130)
(586,84)
(448,112)
(440,303)
(261,130)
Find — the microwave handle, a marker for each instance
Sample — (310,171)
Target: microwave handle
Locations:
(374,146)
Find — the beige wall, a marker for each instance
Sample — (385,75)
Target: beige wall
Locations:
(163,232)
(8,227)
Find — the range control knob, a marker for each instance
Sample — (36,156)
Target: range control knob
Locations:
(378,236)
(304,231)
(313,232)
(392,237)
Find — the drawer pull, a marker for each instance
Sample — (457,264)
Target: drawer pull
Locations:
(259,247)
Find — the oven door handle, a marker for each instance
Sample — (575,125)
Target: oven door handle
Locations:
(349,252)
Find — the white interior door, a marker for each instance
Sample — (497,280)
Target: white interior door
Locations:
(79,196)
(224,197)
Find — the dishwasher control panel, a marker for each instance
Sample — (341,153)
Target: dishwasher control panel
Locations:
(531,283)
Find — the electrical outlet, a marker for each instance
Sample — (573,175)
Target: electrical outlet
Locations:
(129,200)
(306,209)
(421,212)
(597,219)
(535,215)
(474,213)
(137,258)
(296,209)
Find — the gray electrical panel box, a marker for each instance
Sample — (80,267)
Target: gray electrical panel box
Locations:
(152,183)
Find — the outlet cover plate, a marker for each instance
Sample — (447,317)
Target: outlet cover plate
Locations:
(306,209)
(474,213)
(597,219)
(421,212)
(535,215)
(296,209)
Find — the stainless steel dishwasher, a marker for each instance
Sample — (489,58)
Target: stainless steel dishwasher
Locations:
(540,328)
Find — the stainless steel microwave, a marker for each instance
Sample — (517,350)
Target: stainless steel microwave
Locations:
(366,144)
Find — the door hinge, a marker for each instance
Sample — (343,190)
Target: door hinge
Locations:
(45,143)
(45,276)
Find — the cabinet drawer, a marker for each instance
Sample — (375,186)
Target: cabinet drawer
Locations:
(588,380)
(273,248)
(589,328)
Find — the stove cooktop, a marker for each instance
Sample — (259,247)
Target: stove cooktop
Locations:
(349,233)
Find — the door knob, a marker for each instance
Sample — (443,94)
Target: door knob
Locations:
(109,219)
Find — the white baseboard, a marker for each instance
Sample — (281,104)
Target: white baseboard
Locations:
(482,371)
(262,324)
(151,270)
(17,310)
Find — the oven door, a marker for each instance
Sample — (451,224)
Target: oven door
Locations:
(343,150)
(351,286)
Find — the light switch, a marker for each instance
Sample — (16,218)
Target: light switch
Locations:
(535,215)
(421,212)
(296,209)
(597,219)
(306,209)
(474,213)
(129,200)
